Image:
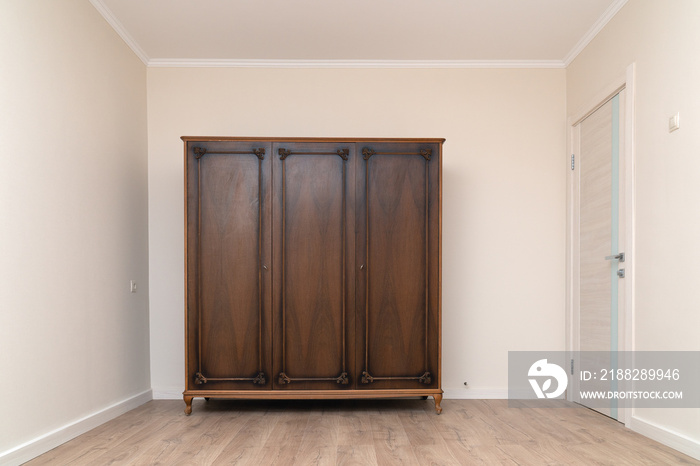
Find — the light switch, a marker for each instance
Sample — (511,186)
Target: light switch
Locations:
(132,284)
(674,122)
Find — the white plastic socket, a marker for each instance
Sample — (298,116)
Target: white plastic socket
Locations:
(674,122)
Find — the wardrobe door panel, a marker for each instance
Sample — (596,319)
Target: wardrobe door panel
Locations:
(228,246)
(313,219)
(398,235)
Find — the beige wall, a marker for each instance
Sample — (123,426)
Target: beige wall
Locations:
(75,198)
(73,210)
(504,191)
(663,39)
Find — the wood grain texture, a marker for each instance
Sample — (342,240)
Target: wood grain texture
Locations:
(229,261)
(313,218)
(283,234)
(398,200)
(397,264)
(595,229)
(312,432)
(228,246)
(595,244)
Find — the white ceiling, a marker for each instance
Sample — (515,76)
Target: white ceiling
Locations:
(448,32)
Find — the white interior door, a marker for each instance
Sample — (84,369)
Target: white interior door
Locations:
(600,262)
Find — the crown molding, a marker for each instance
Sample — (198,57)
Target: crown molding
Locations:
(120,30)
(428,64)
(593,31)
(107,14)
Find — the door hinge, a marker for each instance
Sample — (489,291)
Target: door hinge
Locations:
(572,161)
(572,367)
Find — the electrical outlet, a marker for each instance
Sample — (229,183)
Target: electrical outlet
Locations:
(132,284)
(674,122)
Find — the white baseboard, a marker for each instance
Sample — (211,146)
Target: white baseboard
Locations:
(40,445)
(680,442)
(476,393)
(167,393)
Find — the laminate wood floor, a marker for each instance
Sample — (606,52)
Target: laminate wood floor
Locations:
(361,432)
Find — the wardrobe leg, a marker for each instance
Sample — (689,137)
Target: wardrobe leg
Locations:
(188,404)
(438,400)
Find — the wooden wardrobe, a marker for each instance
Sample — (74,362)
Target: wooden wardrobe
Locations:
(312,268)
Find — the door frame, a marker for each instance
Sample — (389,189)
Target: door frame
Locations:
(627,158)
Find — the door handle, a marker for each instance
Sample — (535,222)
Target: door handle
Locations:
(620,257)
